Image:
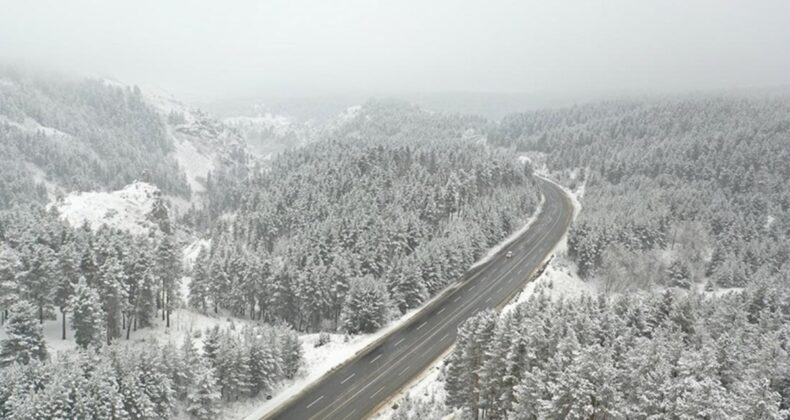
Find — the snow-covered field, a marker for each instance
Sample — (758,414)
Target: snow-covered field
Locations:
(126,209)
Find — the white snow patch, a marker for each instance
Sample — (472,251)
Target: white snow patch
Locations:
(194,163)
(182,321)
(192,250)
(318,362)
(278,124)
(29,125)
(125,209)
(349,114)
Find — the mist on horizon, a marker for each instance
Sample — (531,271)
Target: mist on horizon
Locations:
(221,50)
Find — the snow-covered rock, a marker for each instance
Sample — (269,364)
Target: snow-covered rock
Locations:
(126,209)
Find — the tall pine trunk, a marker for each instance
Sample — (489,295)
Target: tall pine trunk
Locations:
(167,308)
(129,326)
(63,315)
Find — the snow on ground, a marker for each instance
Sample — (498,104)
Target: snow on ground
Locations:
(192,250)
(182,321)
(126,209)
(318,362)
(278,124)
(29,125)
(195,164)
(498,247)
(321,360)
(559,279)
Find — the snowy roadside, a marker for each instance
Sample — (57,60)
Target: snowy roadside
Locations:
(322,360)
(426,394)
(505,242)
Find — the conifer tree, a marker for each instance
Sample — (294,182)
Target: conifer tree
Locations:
(367,306)
(203,400)
(87,316)
(24,337)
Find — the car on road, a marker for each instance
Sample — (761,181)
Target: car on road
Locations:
(509,254)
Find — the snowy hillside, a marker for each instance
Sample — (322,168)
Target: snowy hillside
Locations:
(128,209)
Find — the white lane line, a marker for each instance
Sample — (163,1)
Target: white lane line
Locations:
(499,289)
(457,298)
(488,300)
(441,310)
(317,400)
(422,325)
(520,270)
(376,358)
(376,393)
(346,380)
(444,336)
(400,341)
(404,370)
(351,413)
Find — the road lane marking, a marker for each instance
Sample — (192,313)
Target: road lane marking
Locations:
(404,370)
(441,310)
(422,325)
(488,300)
(400,358)
(499,289)
(444,336)
(350,413)
(376,358)
(346,380)
(400,341)
(317,400)
(376,393)
(457,298)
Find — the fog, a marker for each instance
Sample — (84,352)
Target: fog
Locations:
(222,49)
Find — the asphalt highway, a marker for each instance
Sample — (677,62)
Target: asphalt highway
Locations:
(357,388)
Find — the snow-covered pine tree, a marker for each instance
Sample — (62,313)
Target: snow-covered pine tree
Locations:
(264,368)
(168,268)
(199,286)
(211,344)
(367,306)
(68,261)
(87,316)
(290,353)
(25,339)
(111,293)
(37,278)
(204,399)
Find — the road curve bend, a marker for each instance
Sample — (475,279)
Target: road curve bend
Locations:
(359,386)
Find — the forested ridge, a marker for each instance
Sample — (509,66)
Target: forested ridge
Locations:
(683,197)
(385,213)
(655,356)
(703,179)
(341,235)
(80,135)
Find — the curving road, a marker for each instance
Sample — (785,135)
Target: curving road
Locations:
(357,388)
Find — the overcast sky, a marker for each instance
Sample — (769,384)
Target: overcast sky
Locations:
(214,49)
